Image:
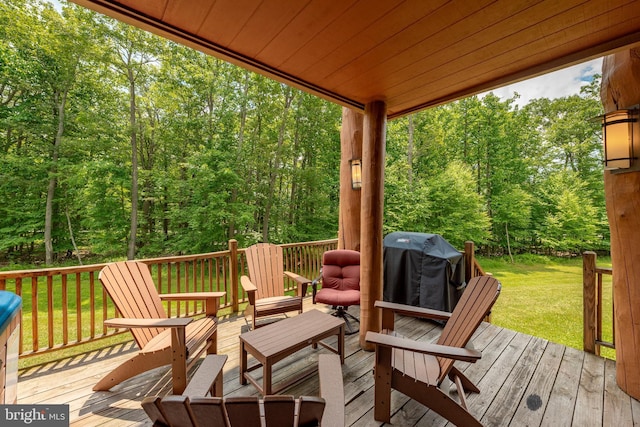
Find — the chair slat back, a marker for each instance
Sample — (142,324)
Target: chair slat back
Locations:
(277,411)
(131,287)
(243,411)
(476,301)
(208,411)
(176,411)
(311,412)
(266,269)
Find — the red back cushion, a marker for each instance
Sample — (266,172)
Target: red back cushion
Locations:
(341,269)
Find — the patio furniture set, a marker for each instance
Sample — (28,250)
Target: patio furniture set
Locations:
(417,369)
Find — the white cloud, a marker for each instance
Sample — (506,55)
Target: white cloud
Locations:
(558,84)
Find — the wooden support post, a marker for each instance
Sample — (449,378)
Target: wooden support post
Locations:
(621,89)
(351,148)
(373,158)
(469,261)
(589,301)
(233,272)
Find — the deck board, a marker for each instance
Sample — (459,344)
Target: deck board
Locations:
(524,380)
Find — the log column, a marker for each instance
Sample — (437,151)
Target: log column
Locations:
(351,148)
(621,89)
(373,157)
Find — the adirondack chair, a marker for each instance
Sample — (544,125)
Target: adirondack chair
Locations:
(265,284)
(417,369)
(161,340)
(275,411)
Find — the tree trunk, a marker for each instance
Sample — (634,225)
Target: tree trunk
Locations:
(620,89)
(61,99)
(73,240)
(131,251)
(506,232)
(243,121)
(289,95)
(351,148)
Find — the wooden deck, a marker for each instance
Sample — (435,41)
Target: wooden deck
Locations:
(525,381)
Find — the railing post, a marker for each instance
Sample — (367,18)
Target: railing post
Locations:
(233,271)
(469,261)
(589,301)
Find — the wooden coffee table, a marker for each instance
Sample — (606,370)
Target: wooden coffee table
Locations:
(272,343)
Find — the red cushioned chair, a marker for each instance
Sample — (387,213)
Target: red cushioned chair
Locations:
(340,276)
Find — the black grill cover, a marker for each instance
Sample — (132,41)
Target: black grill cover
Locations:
(422,270)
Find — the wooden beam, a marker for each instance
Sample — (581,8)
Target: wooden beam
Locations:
(351,148)
(373,157)
(621,89)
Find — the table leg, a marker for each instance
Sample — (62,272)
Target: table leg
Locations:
(243,363)
(266,378)
(341,344)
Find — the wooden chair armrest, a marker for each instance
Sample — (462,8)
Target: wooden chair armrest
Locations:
(298,278)
(211,299)
(192,296)
(463,354)
(172,322)
(301,281)
(331,389)
(249,288)
(207,378)
(409,310)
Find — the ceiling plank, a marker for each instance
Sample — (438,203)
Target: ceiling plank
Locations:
(354,20)
(189,16)
(412,54)
(226,20)
(452,49)
(517,55)
(265,24)
(307,26)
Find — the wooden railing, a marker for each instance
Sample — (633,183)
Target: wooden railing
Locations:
(592,304)
(67,306)
(471,267)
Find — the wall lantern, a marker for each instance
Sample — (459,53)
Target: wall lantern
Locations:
(621,139)
(356,173)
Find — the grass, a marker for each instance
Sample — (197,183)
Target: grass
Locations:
(542,296)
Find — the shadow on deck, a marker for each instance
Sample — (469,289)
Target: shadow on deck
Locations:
(523,380)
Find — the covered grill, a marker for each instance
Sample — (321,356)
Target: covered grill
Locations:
(422,270)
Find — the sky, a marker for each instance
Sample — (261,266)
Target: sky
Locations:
(558,84)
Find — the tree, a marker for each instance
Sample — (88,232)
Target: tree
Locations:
(132,52)
(457,213)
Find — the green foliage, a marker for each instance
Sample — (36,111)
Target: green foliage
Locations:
(533,180)
(224,153)
(457,214)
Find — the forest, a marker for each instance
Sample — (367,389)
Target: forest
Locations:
(118,143)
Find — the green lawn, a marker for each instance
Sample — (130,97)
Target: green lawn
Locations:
(542,296)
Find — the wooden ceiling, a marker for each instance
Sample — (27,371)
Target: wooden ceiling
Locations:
(412,54)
